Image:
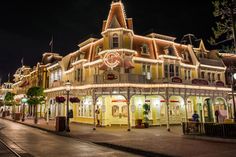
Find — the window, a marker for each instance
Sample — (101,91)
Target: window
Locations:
(115,41)
(202,74)
(185,74)
(144,69)
(209,77)
(189,74)
(166,70)
(144,49)
(79,74)
(98,49)
(213,77)
(177,71)
(171,51)
(172,72)
(148,72)
(218,76)
(148,68)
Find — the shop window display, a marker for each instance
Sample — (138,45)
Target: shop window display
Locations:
(115,111)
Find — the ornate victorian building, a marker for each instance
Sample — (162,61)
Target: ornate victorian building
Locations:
(121,71)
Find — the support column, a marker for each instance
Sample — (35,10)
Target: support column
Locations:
(213,109)
(128,103)
(168,110)
(94,114)
(48,108)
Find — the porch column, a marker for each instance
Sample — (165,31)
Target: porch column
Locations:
(167,110)
(47,109)
(128,103)
(213,109)
(185,105)
(94,108)
(203,115)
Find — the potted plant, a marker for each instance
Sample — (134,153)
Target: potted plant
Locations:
(146,110)
(60,99)
(74,100)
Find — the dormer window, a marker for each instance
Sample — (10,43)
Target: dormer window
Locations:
(144,49)
(169,51)
(98,49)
(185,56)
(115,41)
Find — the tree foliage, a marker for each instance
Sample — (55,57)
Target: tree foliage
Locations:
(35,95)
(223,30)
(9,99)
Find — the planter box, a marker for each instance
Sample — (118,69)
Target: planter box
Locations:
(17,116)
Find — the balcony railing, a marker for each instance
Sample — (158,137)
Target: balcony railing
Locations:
(56,83)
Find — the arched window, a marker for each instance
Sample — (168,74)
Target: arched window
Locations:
(115,41)
(145,49)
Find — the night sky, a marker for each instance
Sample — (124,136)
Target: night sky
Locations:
(26,27)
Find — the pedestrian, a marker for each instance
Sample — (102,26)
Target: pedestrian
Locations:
(98,115)
(195,117)
(217,116)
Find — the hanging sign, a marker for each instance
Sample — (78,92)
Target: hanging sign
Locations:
(176,80)
(199,82)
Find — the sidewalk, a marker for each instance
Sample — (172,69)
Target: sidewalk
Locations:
(154,140)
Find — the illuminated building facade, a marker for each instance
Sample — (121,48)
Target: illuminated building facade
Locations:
(121,71)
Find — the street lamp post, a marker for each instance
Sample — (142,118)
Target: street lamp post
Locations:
(232,87)
(68,88)
(23,100)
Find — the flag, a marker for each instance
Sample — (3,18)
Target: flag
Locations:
(8,77)
(51,42)
(22,61)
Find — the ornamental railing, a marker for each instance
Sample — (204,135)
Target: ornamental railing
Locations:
(210,129)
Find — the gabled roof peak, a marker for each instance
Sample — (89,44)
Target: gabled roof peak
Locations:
(117,17)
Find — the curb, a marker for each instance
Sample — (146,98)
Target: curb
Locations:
(132,150)
(210,139)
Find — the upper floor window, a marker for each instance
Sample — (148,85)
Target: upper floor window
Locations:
(213,77)
(218,76)
(145,49)
(98,49)
(169,51)
(202,74)
(172,71)
(147,71)
(166,70)
(115,41)
(209,77)
(177,70)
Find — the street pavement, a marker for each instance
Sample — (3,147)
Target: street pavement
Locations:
(154,140)
(40,143)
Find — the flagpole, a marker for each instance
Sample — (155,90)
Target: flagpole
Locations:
(51,44)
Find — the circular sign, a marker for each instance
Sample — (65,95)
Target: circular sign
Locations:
(112,59)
